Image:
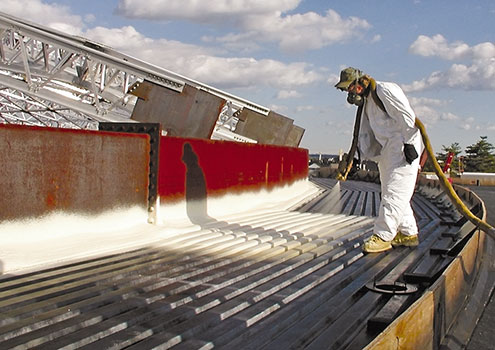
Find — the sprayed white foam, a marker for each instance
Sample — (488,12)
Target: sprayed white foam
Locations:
(59,225)
(281,198)
(59,237)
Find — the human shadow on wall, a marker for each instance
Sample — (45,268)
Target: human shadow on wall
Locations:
(196,196)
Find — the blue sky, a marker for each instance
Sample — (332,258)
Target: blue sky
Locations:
(287,54)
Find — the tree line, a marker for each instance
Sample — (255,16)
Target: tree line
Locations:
(478,157)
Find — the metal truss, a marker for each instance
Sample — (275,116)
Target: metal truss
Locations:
(71,71)
(81,82)
(227,123)
(17,107)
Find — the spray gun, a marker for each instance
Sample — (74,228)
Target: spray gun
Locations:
(345,165)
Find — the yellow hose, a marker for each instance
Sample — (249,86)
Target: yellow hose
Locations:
(461,207)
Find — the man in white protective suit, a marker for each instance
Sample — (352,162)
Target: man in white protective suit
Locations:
(387,135)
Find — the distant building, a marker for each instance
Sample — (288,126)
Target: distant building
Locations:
(314,170)
(323,159)
(479,179)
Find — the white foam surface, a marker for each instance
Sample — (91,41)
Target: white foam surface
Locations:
(57,238)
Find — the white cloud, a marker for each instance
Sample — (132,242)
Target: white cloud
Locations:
(340,127)
(279,108)
(239,43)
(478,74)
(415,101)
(483,51)
(285,94)
(54,16)
(426,110)
(202,11)
(304,108)
(257,20)
(449,116)
(333,79)
(193,61)
(424,83)
(466,124)
(426,114)
(201,64)
(90,18)
(245,72)
(376,38)
(129,40)
(310,30)
(437,46)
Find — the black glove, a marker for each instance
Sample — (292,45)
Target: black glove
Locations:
(410,153)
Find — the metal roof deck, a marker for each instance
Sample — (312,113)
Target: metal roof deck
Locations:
(270,280)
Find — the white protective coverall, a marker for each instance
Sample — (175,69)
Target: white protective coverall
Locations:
(381,138)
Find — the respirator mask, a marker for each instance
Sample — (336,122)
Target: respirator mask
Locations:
(352,97)
(355,99)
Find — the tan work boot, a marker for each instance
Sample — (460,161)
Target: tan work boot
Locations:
(376,245)
(402,239)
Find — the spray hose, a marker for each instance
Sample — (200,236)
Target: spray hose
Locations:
(446,185)
(346,166)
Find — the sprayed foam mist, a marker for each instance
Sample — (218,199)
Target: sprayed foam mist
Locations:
(335,202)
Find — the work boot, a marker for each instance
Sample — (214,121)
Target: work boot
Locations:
(376,245)
(402,239)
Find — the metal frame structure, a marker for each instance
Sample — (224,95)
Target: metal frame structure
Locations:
(71,81)
(18,107)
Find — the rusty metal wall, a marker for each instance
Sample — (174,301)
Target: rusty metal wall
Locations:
(191,113)
(295,136)
(79,171)
(273,129)
(154,132)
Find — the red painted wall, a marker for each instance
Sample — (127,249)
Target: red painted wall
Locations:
(224,166)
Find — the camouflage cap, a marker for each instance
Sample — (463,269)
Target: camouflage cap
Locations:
(348,76)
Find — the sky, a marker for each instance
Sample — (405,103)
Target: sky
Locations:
(287,54)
